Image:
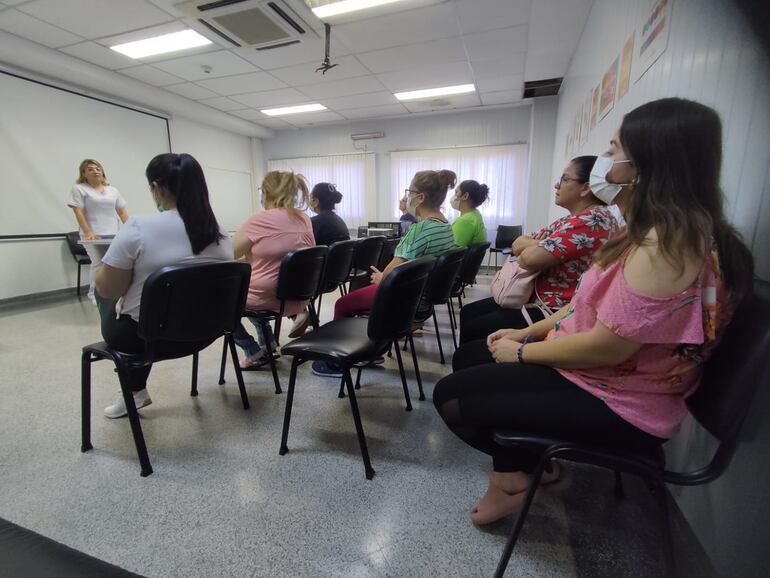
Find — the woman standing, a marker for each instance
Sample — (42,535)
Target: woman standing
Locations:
(562,252)
(469,228)
(615,365)
(97,207)
(263,240)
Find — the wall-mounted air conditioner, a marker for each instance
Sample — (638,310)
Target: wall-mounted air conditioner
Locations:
(259,24)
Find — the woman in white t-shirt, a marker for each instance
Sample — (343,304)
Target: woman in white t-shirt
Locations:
(97,207)
(185,229)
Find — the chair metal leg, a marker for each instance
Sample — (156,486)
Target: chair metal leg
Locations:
(359,427)
(194,382)
(438,338)
(77,287)
(224,360)
(278,328)
(313,315)
(271,359)
(358,377)
(452,322)
(403,376)
(85,402)
(659,488)
(136,427)
(289,401)
(416,369)
(230,341)
(406,342)
(619,493)
(318,309)
(341,393)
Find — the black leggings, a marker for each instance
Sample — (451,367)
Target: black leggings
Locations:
(480,318)
(477,400)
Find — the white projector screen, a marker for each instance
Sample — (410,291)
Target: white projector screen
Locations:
(45,133)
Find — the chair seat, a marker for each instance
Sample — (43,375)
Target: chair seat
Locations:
(83,259)
(104,351)
(261,313)
(342,339)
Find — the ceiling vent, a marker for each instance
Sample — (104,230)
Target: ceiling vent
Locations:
(548,87)
(259,24)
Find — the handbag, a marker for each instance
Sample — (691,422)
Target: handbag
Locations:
(513,286)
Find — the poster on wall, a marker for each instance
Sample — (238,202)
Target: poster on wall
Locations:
(587,117)
(581,129)
(653,36)
(625,66)
(595,105)
(609,84)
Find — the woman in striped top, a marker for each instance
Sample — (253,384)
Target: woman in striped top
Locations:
(431,235)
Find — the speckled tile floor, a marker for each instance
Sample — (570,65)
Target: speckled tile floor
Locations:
(222,502)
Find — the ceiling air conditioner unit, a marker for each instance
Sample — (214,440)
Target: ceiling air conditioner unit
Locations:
(260,24)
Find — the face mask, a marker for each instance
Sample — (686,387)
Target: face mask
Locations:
(455,203)
(601,189)
(411,208)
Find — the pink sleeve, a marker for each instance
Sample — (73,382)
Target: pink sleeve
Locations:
(642,318)
(256,226)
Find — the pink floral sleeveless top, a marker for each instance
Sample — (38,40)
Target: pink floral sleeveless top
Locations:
(678,335)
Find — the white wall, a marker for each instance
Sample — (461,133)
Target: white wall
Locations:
(541,181)
(712,57)
(490,127)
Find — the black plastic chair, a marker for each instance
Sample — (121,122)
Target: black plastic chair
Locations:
(388,251)
(366,256)
(506,235)
(347,342)
(191,303)
(731,377)
(78,253)
(299,279)
(338,264)
(467,275)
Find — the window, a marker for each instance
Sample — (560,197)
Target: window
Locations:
(353,175)
(502,168)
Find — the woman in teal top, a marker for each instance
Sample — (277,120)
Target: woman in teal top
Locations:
(469,228)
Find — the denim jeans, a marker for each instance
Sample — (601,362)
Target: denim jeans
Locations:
(245,341)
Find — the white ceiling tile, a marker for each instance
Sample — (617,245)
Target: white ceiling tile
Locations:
(13,2)
(512,64)
(400,28)
(99,55)
(494,84)
(92,19)
(191,90)
(275,123)
(359,100)
(496,43)
(151,75)
(310,49)
(36,30)
(302,74)
(478,16)
(251,114)
(348,86)
(446,74)
(223,103)
(219,63)
(414,55)
(242,83)
(502,97)
(443,103)
(312,118)
(375,111)
(284,96)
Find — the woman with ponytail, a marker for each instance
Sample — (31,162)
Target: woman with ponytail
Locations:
(184,229)
(616,364)
(469,227)
(431,235)
(263,240)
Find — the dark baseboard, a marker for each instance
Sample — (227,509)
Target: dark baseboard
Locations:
(44,297)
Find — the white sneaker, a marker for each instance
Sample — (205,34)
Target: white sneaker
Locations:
(301,323)
(118,409)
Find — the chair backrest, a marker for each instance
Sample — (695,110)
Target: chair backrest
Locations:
(444,275)
(301,273)
(506,235)
(397,298)
(338,264)
(472,263)
(736,370)
(388,250)
(193,302)
(73,242)
(367,252)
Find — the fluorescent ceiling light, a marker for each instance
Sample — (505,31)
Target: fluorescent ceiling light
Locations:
(345,6)
(162,44)
(293,109)
(431,92)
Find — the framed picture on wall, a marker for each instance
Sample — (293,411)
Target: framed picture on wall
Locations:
(653,36)
(609,84)
(587,116)
(625,66)
(595,104)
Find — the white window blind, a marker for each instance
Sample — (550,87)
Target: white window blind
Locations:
(502,168)
(352,174)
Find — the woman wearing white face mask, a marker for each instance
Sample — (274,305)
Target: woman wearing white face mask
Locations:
(469,228)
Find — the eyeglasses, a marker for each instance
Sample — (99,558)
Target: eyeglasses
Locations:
(564,178)
(411,191)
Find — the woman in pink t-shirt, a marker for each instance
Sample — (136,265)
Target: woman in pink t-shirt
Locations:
(615,365)
(263,240)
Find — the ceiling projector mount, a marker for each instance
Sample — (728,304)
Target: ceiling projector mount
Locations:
(326,65)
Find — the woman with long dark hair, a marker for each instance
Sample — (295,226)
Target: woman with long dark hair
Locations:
(184,229)
(615,365)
